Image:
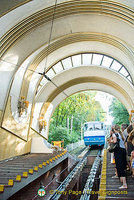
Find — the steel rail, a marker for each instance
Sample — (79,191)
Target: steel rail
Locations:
(90,180)
(68,179)
(56,195)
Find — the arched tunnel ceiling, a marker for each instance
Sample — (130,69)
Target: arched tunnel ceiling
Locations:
(87,59)
(107,41)
(70,8)
(104,27)
(6,6)
(79,79)
(86,76)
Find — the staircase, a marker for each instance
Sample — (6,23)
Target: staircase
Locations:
(19,171)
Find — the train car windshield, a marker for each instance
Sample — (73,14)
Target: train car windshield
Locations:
(93,126)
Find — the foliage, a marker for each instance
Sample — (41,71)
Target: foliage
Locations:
(119,112)
(59,133)
(77,109)
(82,106)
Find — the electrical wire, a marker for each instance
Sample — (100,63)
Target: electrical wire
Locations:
(50,34)
(46,77)
(48,47)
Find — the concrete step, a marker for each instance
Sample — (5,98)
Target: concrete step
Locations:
(18,166)
(5,181)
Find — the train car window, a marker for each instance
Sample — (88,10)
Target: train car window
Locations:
(94,126)
(90,126)
(85,127)
(97,126)
(93,129)
(104,127)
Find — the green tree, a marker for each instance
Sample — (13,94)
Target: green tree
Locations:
(83,107)
(119,112)
(59,133)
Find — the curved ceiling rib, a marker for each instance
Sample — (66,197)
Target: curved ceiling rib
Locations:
(7,7)
(86,59)
(70,83)
(67,8)
(74,38)
(78,37)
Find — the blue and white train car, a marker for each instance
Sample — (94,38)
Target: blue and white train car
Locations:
(94,133)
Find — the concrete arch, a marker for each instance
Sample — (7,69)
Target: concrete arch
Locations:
(62,39)
(76,41)
(79,26)
(81,74)
(78,79)
(109,8)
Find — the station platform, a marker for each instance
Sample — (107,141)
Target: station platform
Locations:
(109,187)
(18,172)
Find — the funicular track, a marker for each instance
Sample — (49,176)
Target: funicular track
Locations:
(86,192)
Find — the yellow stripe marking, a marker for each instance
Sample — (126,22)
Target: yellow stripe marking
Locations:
(102,190)
(44,163)
(30,171)
(10,182)
(25,174)
(40,166)
(1,188)
(18,178)
(35,168)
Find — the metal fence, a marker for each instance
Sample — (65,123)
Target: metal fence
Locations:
(73,146)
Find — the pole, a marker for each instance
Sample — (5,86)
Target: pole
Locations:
(71,124)
(81,131)
(68,125)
